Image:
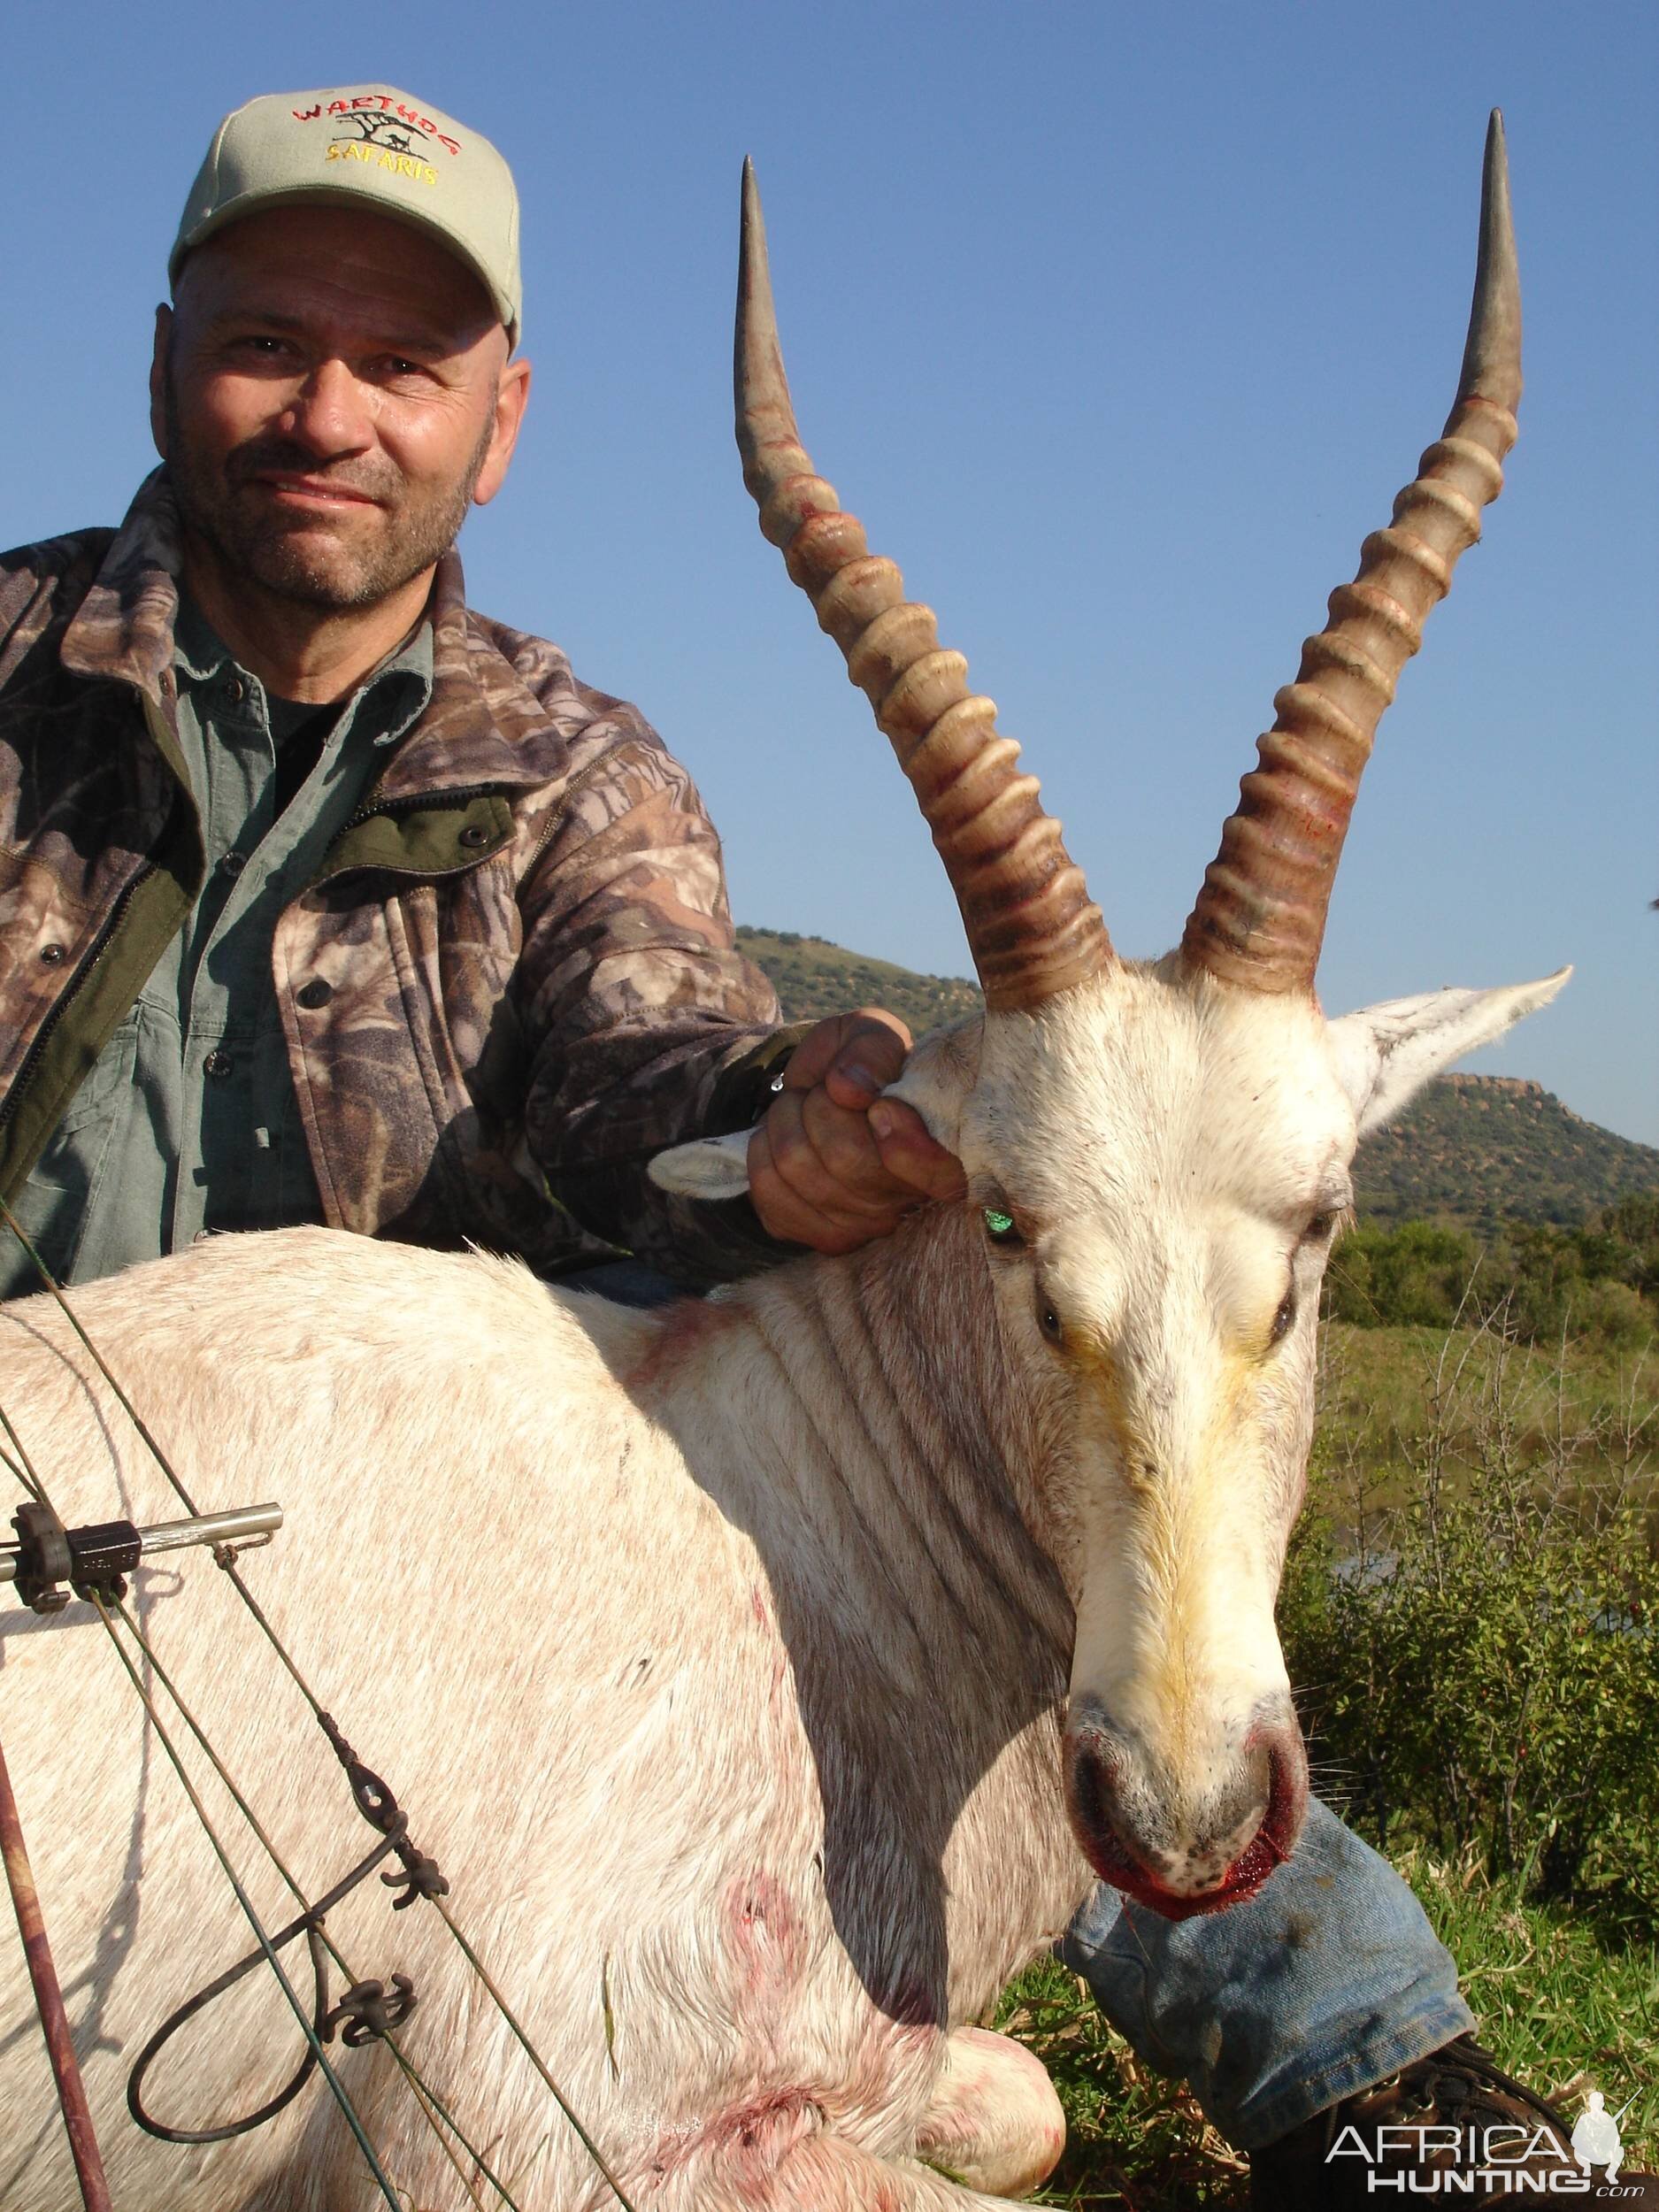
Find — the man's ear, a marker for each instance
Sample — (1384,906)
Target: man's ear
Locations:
(937,1077)
(1385,1055)
(512,392)
(158,379)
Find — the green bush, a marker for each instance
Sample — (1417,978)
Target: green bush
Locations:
(1599,1280)
(1482,1662)
(1418,1272)
(1616,1315)
(1633,1227)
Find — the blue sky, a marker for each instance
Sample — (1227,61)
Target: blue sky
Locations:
(1119,326)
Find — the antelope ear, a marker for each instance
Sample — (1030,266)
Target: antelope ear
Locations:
(708,1167)
(1384,1055)
(938,1076)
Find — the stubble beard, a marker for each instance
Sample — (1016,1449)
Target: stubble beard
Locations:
(301,565)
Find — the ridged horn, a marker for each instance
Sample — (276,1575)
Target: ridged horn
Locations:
(1031,927)
(1260,917)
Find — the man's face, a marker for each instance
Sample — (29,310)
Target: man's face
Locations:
(330,393)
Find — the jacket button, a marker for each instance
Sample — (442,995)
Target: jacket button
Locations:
(217,1062)
(233,865)
(314,993)
(54,956)
(475,834)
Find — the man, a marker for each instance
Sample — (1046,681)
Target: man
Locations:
(324,898)
(330,388)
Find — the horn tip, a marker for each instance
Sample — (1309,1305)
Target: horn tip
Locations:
(1492,356)
(751,231)
(1496,165)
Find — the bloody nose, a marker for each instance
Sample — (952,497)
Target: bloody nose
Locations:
(1179,1845)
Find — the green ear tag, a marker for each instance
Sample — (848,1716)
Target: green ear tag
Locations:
(999,1224)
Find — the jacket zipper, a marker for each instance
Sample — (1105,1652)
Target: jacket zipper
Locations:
(391,808)
(555,815)
(471,791)
(419,799)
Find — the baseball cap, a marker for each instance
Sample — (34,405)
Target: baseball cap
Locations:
(364,146)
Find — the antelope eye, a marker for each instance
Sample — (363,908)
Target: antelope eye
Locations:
(1049,1322)
(1283,1318)
(1319,1227)
(999,1226)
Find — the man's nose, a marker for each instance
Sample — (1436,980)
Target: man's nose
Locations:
(331,413)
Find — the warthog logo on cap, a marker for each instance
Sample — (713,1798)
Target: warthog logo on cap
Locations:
(379,121)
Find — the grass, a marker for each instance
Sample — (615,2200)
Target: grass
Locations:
(1564,2003)
(1564,2006)
(1381,1388)
(1133,2137)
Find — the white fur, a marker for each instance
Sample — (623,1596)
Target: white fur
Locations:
(719,1653)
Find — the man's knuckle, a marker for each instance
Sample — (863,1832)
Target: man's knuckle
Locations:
(785,1128)
(848,1154)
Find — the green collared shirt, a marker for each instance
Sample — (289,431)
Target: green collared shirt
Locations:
(188,1122)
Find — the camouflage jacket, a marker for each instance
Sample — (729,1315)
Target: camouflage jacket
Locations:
(512,979)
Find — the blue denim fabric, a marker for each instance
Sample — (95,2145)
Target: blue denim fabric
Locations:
(625,1282)
(1328,1980)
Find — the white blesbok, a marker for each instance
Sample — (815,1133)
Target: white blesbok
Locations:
(770,1674)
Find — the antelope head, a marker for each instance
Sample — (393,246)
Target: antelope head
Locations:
(1158,1154)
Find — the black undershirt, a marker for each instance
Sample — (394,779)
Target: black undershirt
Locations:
(299,730)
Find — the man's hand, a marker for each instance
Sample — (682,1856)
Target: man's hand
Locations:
(832,1165)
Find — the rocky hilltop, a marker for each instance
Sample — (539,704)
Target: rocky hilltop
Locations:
(1484,1149)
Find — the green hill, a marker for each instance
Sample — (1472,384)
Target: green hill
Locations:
(1480,1150)
(1475,1150)
(812,977)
